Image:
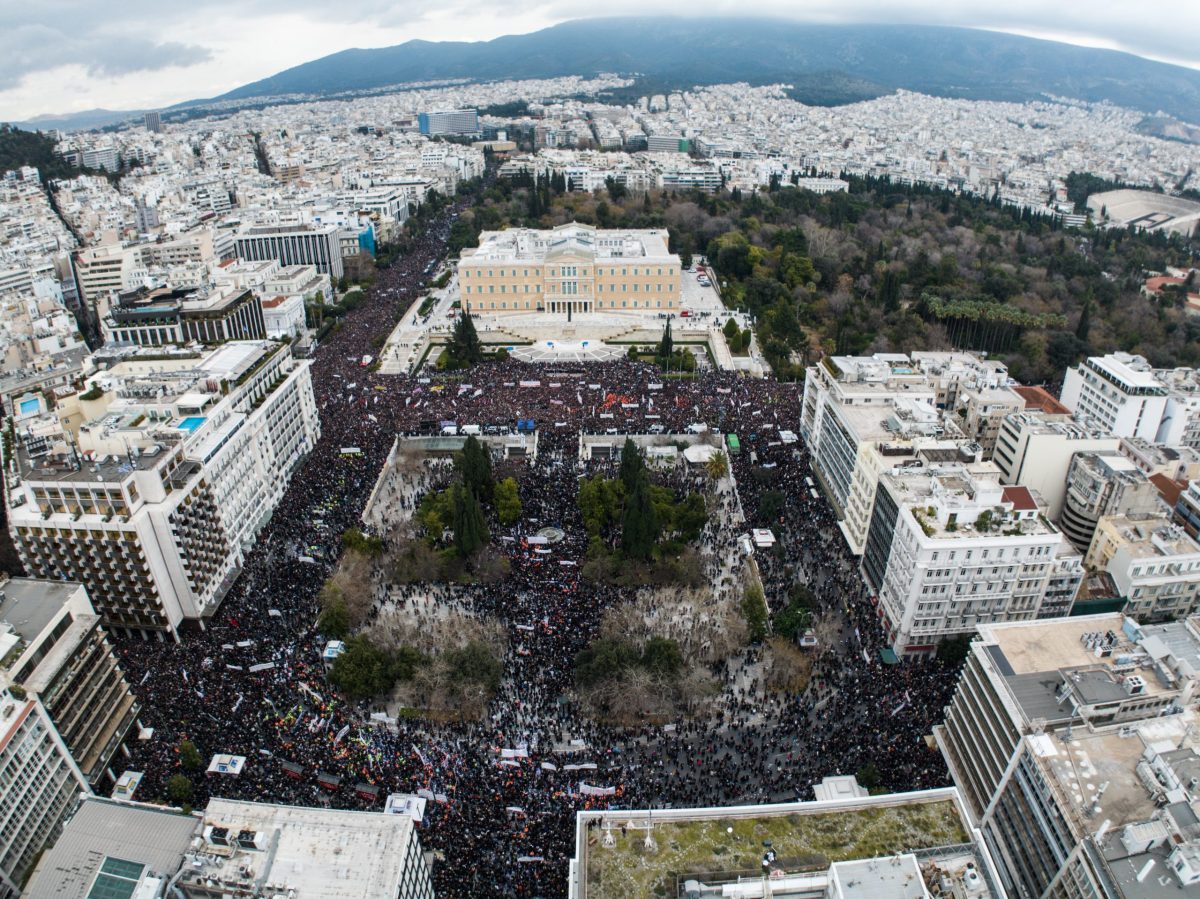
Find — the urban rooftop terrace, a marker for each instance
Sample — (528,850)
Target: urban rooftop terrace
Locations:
(806,837)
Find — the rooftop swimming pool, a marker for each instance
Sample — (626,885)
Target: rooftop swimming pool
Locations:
(191,423)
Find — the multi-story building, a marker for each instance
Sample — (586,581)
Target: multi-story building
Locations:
(1100,484)
(1187,510)
(233,850)
(1154,564)
(160,316)
(901,845)
(104,271)
(449,121)
(53,647)
(1180,425)
(979,411)
(1118,394)
(1175,463)
(39,786)
(316,245)
(950,548)
(864,415)
(1073,743)
(156,480)
(569,270)
(1034,449)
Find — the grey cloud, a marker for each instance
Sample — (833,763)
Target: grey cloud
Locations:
(37,47)
(123,56)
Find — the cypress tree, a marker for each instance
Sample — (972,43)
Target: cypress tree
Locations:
(640,527)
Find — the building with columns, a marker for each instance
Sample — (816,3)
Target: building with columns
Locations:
(569,270)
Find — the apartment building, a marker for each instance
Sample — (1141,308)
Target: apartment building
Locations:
(1118,393)
(1175,463)
(949,548)
(1035,450)
(1153,563)
(160,316)
(39,786)
(569,270)
(104,271)
(153,483)
(863,415)
(54,649)
(1186,513)
(1073,743)
(1099,485)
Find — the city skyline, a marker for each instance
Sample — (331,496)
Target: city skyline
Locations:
(210,47)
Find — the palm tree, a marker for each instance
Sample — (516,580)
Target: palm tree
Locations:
(717,466)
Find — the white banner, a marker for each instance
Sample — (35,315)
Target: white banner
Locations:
(587,789)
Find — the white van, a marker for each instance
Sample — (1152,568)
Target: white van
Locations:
(471,429)
(696,427)
(450,430)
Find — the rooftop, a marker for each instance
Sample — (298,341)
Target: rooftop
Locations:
(528,245)
(807,838)
(29,605)
(147,838)
(1151,536)
(1039,399)
(1090,759)
(317,853)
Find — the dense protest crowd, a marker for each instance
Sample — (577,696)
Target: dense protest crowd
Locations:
(502,792)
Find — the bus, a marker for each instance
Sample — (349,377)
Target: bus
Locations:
(731,442)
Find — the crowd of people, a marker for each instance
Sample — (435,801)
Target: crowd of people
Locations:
(502,791)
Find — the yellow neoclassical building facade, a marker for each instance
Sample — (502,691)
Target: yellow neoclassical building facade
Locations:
(571,269)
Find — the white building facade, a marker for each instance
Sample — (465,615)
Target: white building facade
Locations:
(950,548)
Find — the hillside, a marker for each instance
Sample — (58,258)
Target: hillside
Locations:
(18,148)
(860,60)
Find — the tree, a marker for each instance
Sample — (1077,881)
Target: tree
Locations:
(717,466)
(462,235)
(475,465)
(640,526)
(632,465)
(464,348)
(1085,322)
(179,789)
(754,608)
(731,329)
(868,776)
(690,516)
(889,291)
(603,660)
(954,651)
(666,346)
(475,663)
(334,621)
(470,529)
(189,756)
(662,656)
(599,503)
(507,501)
(362,671)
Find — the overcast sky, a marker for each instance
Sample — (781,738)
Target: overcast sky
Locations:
(67,56)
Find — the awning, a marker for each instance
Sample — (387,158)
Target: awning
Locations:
(888,656)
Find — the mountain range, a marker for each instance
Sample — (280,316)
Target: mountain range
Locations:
(827,64)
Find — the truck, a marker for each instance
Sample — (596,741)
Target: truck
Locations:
(733,444)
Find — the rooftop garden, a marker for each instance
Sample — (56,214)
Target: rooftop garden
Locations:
(801,842)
